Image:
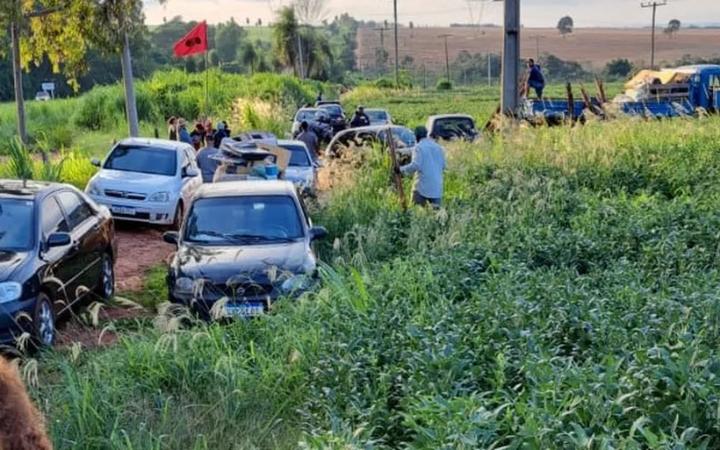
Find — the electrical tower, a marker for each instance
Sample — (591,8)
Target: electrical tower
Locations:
(654,5)
(447,55)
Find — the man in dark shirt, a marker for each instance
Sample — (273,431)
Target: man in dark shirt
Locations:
(309,138)
(360,119)
(536,80)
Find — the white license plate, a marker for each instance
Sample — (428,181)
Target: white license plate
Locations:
(123,211)
(245,310)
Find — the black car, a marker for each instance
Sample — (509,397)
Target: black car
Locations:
(338,121)
(242,246)
(57,248)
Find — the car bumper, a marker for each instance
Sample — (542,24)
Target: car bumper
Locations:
(134,211)
(13,317)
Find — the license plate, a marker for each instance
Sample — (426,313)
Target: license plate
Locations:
(123,211)
(245,310)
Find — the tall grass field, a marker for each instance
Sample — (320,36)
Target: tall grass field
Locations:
(565,297)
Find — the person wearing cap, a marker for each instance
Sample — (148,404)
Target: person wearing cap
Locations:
(220,134)
(183,133)
(428,165)
(360,119)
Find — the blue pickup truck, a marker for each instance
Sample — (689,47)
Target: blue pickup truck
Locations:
(674,92)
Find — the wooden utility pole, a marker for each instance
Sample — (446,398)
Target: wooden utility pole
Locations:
(17,80)
(397,54)
(447,55)
(382,31)
(511,58)
(654,5)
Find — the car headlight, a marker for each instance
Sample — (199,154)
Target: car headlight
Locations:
(160,197)
(296,283)
(10,291)
(93,189)
(185,285)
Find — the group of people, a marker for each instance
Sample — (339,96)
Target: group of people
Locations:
(203,134)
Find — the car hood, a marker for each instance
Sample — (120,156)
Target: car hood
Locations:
(10,261)
(220,264)
(132,181)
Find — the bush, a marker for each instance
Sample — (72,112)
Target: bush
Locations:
(444,85)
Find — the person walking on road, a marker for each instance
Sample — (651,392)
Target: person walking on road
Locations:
(360,119)
(536,79)
(309,138)
(428,165)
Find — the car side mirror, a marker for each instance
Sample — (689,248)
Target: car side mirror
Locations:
(171,237)
(318,233)
(190,172)
(58,240)
(95,162)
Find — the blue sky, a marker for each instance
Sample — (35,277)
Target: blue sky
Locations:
(621,13)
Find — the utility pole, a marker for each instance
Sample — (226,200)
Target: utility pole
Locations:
(489,67)
(397,54)
(447,55)
(654,5)
(537,46)
(511,58)
(300,56)
(382,31)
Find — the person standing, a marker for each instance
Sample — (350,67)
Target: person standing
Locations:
(360,119)
(428,165)
(309,138)
(207,163)
(536,79)
(172,129)
(183,134)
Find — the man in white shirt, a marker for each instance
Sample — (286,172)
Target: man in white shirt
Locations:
(428,164)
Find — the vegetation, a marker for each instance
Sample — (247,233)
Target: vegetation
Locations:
(565,297)
(565,25)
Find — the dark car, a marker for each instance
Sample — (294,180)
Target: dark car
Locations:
(242,246)
(450,127)
(57,248)
(338,121)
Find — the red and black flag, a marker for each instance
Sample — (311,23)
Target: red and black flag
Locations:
(194,42)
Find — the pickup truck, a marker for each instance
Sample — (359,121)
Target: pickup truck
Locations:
(673,92)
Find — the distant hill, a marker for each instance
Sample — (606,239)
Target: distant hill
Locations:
(592,47)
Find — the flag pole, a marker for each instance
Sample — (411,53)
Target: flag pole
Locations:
(207,92)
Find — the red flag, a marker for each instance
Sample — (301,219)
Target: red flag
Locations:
(194,42)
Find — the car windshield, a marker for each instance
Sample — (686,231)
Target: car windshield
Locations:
(403,137)
(377,115)
(246,220)
(305,115)
(16,224)
(333,110)
(454,127)
(298,156)
(150,160)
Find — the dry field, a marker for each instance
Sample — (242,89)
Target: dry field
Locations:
(593,47)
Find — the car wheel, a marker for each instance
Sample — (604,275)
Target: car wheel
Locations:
(179,215)
(43,325)
(106,283)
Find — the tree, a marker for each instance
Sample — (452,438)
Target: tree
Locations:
(673,27)
(310,12)
(249,56)
(227,40)
(285,38)
(619,68)
(247,21)
(565,25)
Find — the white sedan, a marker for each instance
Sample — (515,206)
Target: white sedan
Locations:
(147,180)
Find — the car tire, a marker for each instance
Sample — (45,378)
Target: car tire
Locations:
(43,330)
(179,216)
(106,284)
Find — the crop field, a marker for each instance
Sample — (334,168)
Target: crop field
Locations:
(592,47)
(564,297)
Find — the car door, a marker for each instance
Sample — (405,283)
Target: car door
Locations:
(87,242)
(60,274)
(189,184)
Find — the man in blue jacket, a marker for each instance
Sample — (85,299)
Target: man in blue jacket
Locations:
(536,80)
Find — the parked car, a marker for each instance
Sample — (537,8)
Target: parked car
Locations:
(302,170)
(242,246)
(338,121)
(42,96)
(451,127)
(147,180)
(57,247)
(379,116)
(366,136)
(303,115)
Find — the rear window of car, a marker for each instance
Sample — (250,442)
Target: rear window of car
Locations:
(333,110)
(298,156)
(454,126)
(377,116)
(154,161)
(305,115)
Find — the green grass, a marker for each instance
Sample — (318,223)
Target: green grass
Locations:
(565,297)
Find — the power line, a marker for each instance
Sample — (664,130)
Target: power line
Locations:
(654,5)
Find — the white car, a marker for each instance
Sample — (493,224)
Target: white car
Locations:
(147,180)
(302,170)
(42,96)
